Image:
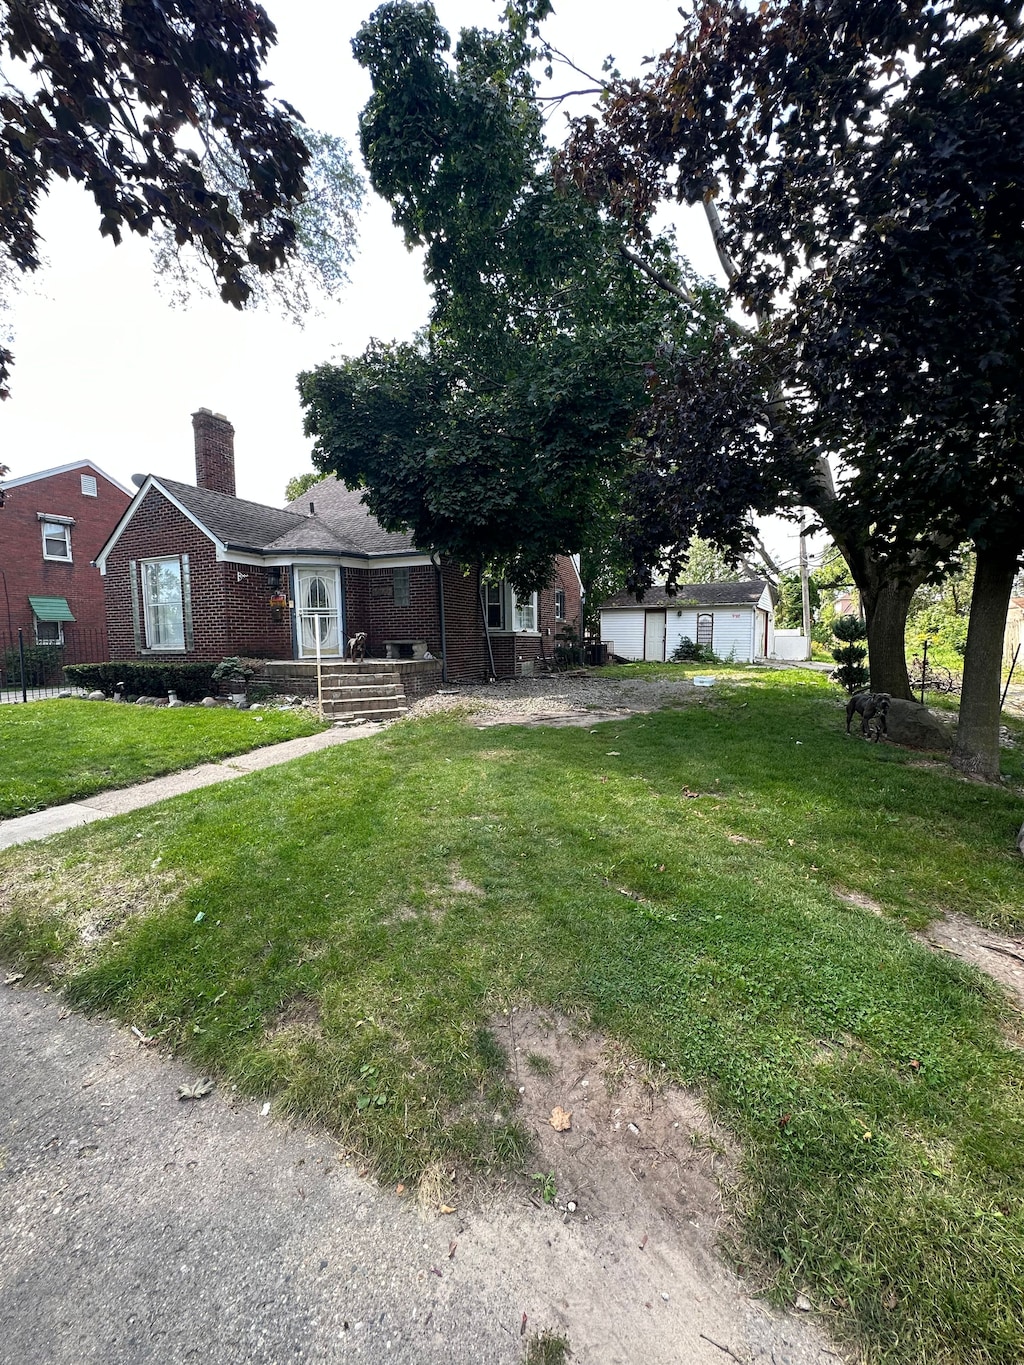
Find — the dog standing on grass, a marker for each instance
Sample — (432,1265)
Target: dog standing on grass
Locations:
(870,706)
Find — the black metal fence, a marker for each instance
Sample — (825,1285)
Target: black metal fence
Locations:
(29,670)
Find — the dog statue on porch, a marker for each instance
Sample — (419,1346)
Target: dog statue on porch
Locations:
(357,647)
(870,706)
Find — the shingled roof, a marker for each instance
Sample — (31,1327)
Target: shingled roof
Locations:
(343,510)
(339,525)
(743,594)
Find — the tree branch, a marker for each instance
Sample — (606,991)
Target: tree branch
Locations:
(658,276)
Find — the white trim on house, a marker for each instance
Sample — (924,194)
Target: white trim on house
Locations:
(20,480)
(301,558)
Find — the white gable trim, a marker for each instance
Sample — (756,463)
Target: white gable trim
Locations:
(151,482)
(765,600)
(283,558)
(62,469)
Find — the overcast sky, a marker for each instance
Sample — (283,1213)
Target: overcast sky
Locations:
(106,369)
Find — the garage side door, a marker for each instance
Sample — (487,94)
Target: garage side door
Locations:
(654,636)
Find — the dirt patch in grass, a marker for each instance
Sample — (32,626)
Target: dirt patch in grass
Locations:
(634,1196)
(637,1151)
(1000,956)
(858,899)
(94,896)
(300,1015)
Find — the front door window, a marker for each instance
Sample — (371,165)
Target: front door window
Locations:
(319,624)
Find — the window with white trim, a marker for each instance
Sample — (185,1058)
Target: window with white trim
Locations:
(56,540)
(162,603)
(495,598)
(49,632)
(559,604)
(524,612)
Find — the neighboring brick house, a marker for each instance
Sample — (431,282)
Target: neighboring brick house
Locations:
(196,573)
(52,526)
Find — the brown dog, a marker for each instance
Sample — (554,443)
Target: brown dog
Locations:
(870,706)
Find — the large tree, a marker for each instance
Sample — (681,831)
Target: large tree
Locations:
(162,113)
(503,432)
(830,143)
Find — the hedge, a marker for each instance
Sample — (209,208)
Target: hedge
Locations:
(42,665)
(191,681)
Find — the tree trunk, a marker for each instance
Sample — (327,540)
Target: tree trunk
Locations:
(977,737)
(885,609)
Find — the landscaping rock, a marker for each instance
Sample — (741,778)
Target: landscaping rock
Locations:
(174,703)
(1020,840)
(914,726)
(208,701)
(93,696)
(65,694)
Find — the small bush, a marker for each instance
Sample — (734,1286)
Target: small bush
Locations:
(191,681)
(687,652)
(42,665)
(849,653)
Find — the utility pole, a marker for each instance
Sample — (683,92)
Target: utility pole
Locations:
(805,591)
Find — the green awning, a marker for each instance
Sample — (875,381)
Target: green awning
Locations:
(51,608)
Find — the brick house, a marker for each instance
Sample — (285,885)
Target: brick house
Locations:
(193,572)
(52,526)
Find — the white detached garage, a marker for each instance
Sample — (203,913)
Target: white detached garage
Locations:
(735,620)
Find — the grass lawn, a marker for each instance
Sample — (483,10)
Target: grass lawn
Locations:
(338,933)
(62,750)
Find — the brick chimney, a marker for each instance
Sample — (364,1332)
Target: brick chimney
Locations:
(215,451)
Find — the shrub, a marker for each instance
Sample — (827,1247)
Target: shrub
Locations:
(849,653)
(687,652)
(191,681)
(42,665)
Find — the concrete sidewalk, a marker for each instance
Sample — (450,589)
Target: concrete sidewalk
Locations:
(41,824)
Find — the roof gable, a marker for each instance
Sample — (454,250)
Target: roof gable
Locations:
(21,479)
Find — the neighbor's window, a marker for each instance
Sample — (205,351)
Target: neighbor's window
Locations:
(89,486)
(161,599)
(705,628)
(495,606)
(524,612)
(56,540)
(401,587)
(559,604)
(49,632)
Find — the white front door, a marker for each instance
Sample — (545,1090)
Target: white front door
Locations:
(654,636)
(318,601)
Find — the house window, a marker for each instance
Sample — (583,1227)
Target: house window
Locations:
(524,612)
(559,604)
(705,628)
(88,485)
(162,603)
(401,587)
(49,632)
(495,606)
(56,540)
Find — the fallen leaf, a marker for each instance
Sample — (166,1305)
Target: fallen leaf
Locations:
(522,1326)
(915,1065)
(561,1119)
(644,1242)
(890,1301)
(784,1120)
(195,1092)
(434,1271)
(399,1189)
(791,843)
(451,1249)
(447,1208)
(803,1303)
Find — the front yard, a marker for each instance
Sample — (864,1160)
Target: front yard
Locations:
(340,932)
(63,750)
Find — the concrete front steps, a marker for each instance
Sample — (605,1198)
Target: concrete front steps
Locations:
(363,692)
